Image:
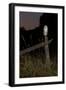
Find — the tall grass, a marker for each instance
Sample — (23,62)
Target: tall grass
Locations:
(33,65)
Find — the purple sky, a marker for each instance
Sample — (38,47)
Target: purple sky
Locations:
(29,20)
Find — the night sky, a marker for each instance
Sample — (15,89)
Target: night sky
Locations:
(29,20)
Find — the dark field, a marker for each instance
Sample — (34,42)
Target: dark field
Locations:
(33,64)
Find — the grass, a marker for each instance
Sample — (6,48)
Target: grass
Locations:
(33,65)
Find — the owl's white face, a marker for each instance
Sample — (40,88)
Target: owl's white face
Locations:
(45,30)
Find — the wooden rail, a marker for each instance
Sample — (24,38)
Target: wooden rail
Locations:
(35,47)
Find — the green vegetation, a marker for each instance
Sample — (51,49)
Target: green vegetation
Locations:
(32,65)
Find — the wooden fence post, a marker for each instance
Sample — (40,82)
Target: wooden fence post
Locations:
(47,63)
